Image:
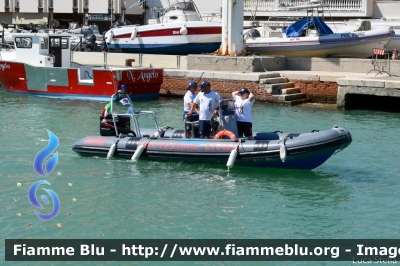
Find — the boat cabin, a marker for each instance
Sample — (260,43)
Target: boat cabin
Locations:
(179,11)
(41,49)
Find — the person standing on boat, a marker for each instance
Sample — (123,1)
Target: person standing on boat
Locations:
(208,100)
(244,101)
(187,105)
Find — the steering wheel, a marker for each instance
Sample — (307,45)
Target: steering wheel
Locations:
(53,58)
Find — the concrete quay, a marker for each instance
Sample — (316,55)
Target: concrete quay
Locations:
(343,82)
(339,88)
(340,81)
(369,91)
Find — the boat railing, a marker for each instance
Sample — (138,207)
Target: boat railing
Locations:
(133,113)
(76,47)
(6,46)
(210,16)
(279,5)
(280,22)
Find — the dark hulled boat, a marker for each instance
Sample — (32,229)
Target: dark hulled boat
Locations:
(269,149)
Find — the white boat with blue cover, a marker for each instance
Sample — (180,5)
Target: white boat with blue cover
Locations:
(121,136)
(312,37)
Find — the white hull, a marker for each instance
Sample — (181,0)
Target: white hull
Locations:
(350,44)
(376,24)
(169,38)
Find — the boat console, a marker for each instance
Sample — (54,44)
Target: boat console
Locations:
(127,124)
(225,121)
(120,124)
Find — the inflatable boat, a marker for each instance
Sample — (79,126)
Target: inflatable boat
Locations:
(121,136)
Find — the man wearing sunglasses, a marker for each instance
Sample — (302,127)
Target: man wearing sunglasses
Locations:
(244,101)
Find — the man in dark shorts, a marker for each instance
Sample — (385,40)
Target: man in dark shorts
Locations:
(187,105)
(244,101)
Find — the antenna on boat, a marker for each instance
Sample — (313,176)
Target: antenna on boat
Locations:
(200,77)
(137,3)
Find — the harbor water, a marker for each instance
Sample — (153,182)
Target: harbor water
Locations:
(355,194)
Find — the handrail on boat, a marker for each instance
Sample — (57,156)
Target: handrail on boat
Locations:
(134,115)
(7,46)
(76,47)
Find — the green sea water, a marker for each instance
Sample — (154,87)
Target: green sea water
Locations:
(355,194)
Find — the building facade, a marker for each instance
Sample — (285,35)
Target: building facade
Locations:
(20,12)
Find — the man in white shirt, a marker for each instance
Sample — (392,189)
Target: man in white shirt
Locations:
(244,101)
(187,105)
(208,100)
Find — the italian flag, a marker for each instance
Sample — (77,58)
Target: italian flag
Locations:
(107,110)
(141,4)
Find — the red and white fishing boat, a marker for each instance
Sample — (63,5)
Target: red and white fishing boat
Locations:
(41,64)
(180,30)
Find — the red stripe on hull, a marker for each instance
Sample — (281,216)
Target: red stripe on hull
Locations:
(10,78)
(173,32)
(137,81)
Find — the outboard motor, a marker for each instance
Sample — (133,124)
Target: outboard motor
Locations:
(91,42)
(122,123)
(253,33)
(107,127)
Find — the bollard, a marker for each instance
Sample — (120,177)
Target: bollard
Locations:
(128,62)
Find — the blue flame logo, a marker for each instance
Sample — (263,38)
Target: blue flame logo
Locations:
(35,202)
(49,167)
(41,156)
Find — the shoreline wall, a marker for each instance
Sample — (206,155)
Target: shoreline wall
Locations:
(175,83)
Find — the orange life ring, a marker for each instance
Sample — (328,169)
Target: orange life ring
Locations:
(225,133)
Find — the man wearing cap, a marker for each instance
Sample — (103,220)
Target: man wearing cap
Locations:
(208,100)
(187,105)
(244,101)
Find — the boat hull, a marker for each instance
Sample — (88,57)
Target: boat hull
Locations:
(66,82)
(353,45)
(168,48)
(304,151)
(201,37)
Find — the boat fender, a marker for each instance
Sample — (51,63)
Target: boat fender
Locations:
(183,31)
(112,150)
(282,149)
(137,153)
(232,158)
(282,152)
(134,34)
(140,149)
(225,133)
(233,155)
(113,147)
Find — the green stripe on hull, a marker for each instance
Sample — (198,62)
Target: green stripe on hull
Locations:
(39,77)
